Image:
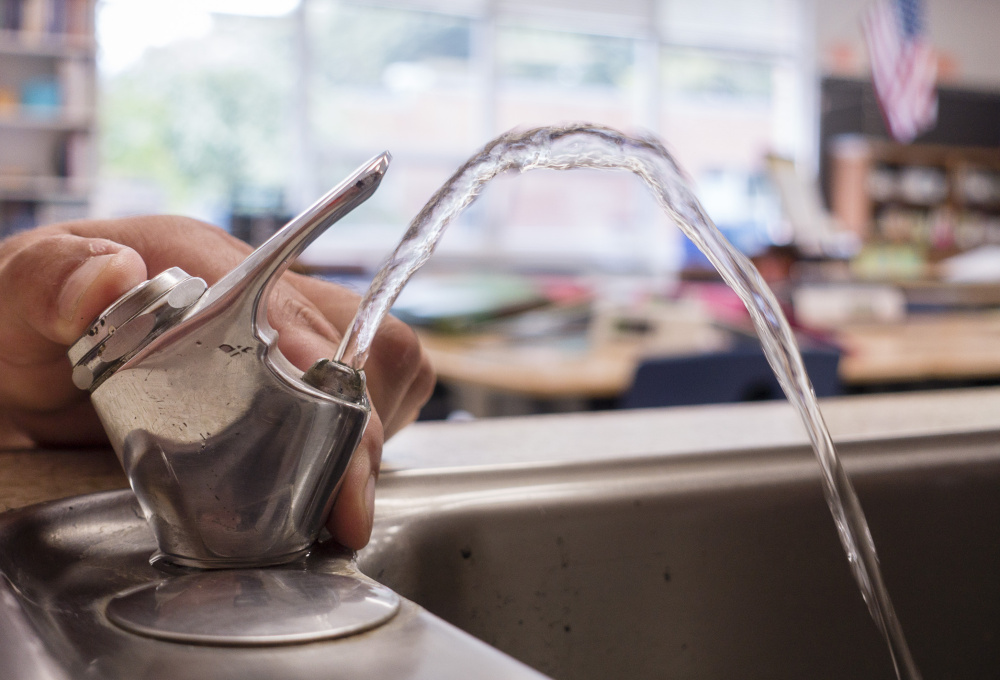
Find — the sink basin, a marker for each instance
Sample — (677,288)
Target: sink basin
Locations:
(63,561)
(713,564)
(641,545)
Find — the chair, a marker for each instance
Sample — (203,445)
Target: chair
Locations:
(741,374)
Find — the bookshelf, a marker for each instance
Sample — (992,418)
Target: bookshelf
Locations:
(921,203)
(47,111)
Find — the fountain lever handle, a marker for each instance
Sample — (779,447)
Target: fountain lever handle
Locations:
(173,298)
(248,284)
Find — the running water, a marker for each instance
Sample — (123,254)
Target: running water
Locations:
(587,146)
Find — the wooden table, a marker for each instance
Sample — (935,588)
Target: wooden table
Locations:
(923,348)
(540,370)
(954,346)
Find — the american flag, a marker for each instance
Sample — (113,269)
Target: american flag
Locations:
(904,66)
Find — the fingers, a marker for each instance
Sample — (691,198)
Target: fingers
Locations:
(399,376)
(73,425)
(305,334)
(353,512)
(203,250)
(166,241)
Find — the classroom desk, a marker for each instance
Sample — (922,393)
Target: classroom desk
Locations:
(539,370)
(939,347)
(944,347)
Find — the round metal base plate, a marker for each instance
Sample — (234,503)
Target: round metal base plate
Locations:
(253,607)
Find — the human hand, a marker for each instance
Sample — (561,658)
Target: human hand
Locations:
(55,280)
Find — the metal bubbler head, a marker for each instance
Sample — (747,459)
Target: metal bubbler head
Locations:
(234,454)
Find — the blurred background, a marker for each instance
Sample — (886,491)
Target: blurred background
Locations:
(556,290)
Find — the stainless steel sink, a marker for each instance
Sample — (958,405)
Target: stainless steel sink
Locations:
(62,562)
(706,566)
(643,545)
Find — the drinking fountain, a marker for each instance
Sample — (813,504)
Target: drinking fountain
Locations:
(235,456)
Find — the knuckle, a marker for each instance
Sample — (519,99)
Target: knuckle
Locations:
(397,350)
(165,241)
(293,311)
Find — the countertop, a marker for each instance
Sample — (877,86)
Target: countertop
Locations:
(32,476)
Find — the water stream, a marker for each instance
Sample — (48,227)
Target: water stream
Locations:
(588,146)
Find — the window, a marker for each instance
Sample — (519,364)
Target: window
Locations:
(197,121)
(267,111)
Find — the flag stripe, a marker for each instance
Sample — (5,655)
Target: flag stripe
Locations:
(904,67)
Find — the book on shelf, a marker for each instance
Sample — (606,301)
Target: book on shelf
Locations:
(34,20)
(78,154)
(66,98)
(74,78)
(47,89)
(10,15)
(66,178)
(62,211)
(18,216)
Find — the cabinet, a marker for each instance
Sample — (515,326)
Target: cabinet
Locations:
(925,200)
(47,111)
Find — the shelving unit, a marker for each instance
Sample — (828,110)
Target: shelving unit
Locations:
(930,201)
(47,111)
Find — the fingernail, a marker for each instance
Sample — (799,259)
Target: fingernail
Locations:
(370,498)
(78,282)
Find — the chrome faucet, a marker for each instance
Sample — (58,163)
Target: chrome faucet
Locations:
(234,454)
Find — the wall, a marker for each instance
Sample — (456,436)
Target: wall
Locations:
(963,31)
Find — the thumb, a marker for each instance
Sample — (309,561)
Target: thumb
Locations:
(60,283)
(54,286)
(96,282)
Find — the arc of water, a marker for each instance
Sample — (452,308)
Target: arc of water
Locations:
(590,146)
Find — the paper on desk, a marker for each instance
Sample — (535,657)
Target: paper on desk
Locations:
(981,265)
